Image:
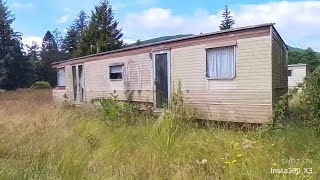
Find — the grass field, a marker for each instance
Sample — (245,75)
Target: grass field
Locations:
(43,140)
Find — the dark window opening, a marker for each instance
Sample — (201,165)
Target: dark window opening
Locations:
(116,72)
(289,72)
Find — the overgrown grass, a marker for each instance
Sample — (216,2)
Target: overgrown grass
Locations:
(42,140)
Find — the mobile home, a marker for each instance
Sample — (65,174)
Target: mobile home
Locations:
(232,75)
(296,74)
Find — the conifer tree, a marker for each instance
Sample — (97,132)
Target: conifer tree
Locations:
(227,21)
(49,54)
(70,43)
(73,38)
(14,66)
(102,33)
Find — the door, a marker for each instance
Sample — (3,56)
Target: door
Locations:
(161,79)
(78,83)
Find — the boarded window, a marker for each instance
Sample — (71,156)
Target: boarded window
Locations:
(116,72)
(61,77)
(221,63)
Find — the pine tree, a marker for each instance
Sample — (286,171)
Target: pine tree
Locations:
(33,54)
(14,66)
(103,33)
(49,53)
(227,21)
(81,23)
(70,43)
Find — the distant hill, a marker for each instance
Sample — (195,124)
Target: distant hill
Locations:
(159,39)
(295,49)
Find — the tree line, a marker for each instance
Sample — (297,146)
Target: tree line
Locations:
(87,35)
(308,56)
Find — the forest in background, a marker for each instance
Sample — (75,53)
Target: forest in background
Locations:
(99,32)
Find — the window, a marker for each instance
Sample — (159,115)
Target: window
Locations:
(60,75)
(289,72)
(116,72)
(221,63)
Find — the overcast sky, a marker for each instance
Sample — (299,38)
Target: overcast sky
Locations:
(298,22)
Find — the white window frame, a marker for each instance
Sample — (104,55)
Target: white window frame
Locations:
(122,70)
(59,84)
(235,63)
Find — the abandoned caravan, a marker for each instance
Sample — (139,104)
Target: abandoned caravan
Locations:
(232,75)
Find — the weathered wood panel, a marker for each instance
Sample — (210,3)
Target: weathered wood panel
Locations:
(279,67)
(246,98)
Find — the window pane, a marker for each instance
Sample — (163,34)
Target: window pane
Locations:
(116,72)
(116,69)
(221,63)
(61,77)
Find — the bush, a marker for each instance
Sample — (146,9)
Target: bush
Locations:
(117,112)
(177,116)
(310,99)
(41,85)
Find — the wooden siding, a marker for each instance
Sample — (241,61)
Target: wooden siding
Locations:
(246,98)
(69,82)
(59,95)
(298,73)
(279,67)
(136,84)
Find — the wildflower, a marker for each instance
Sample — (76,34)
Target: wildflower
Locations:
(254,142)
(227,162)
(234,161)
(222,158)
(274,164)
(204,161)
(272,144)
(247,144)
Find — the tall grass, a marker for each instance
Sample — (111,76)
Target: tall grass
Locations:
(43,140)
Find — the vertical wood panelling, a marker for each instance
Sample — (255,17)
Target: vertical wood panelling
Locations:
(279,68)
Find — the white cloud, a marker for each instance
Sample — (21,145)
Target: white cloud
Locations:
(22,5)
(297,22)
(28,40)
(158,22)
(129,41)
(63,19)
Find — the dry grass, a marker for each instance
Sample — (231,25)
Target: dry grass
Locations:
(43,140)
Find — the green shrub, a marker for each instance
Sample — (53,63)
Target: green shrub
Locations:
(117,112)
(41,85)
(177,116)
(310,99)
(279,111)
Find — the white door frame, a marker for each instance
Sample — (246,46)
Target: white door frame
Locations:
(78,83)
(168,52)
